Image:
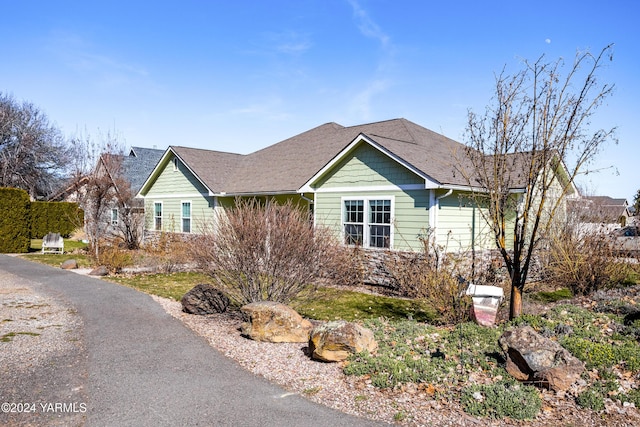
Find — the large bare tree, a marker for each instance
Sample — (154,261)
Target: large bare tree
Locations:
(97,176)
(33,151)
(526,151)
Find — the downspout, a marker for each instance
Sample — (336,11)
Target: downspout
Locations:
(311,202)
(302,196)
(436,205)
(447,194)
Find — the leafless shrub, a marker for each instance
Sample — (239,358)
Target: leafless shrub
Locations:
(583,262)
(345,265)
(433,276)
(256,252)
(114,259)
(168,253)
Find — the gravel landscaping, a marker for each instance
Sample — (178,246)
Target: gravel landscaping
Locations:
(41,359)
(290,366)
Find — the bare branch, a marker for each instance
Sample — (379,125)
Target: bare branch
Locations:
(527,150)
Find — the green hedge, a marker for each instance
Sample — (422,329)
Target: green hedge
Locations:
(14,221)
(54,217)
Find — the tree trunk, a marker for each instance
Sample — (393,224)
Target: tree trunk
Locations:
(515,308)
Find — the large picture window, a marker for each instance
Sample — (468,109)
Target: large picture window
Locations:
(186,217)
(367,222)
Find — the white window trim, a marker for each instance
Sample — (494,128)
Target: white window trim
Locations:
(182,218)
(114,222)
(365,231)
(155,202)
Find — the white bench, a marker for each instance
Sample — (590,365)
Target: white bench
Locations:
(53,243)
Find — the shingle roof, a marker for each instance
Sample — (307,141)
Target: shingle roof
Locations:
(137,166)
(286,166)
(601,208)
(213,168)
(608,201)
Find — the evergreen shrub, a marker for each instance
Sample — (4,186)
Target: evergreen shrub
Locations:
(55,217)
(14,221)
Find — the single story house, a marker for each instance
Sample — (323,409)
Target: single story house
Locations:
(601,213)
(379,185)
(132,168)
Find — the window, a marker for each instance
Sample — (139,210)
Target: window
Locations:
(175,164)
(367,222)
(379,223)
(157,216)
(186,217)
(114,216)
(353,222)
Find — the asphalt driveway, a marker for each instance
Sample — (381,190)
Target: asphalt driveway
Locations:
(141,367)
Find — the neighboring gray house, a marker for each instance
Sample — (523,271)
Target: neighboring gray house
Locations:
(133,168)
(137,166)
(602,213)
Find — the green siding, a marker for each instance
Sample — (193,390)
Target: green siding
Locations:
(201,212)
(179,182)
(460,225)
(366,166)
(172,187)
(411,213)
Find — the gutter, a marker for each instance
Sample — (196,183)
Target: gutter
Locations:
(447,194)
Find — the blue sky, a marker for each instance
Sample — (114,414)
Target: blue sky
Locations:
(241,75)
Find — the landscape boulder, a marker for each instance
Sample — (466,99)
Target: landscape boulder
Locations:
(274,322)
(204,299)
(99,271)
(532,357)
(70,264)
(336,341)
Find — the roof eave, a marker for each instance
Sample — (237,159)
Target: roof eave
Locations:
(430,183)
(255,193)
(156,172)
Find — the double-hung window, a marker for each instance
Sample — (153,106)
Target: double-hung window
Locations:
(367,222)
(114,216)
(157,216)
(186,217)
(354,222)
(380,223)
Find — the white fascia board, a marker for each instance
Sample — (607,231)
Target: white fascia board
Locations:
(151,177)
(306,187)
(179,196)
(211,192)
(256,194)
(360,189)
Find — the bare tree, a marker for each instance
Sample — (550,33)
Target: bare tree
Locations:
(525,153)
(97,176)
(33,152)
(130,213)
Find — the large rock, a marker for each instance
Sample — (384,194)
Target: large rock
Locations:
(274,322)
(204,299)
(70,264)
(336,341)
(532,357)
(100,271)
